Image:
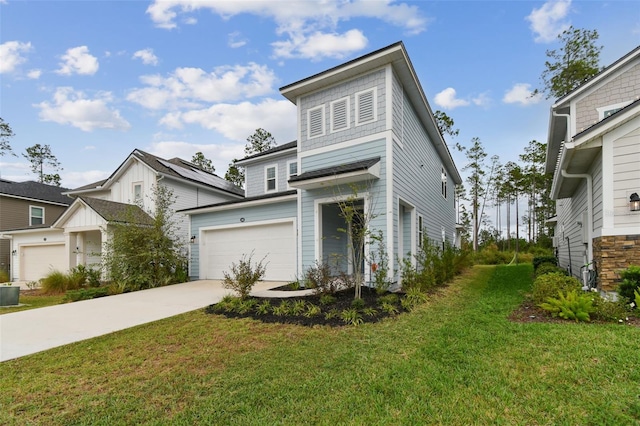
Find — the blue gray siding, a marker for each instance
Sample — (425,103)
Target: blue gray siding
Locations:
(255,175)
(260,213)
(348,89)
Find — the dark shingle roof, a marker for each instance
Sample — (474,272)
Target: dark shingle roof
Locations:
(273,150)
(35,190)
(336,170)
(245,200)
(112,211)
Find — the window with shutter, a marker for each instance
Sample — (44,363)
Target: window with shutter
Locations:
(315,119)
(340,115)
(366,106)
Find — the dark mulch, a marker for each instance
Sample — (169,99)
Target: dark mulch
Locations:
(343,301)
(528,312)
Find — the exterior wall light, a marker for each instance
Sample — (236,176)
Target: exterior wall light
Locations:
(193,239)
(634,202)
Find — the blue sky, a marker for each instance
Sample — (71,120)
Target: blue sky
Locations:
(97,79)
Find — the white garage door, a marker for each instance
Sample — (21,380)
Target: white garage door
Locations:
(39,261)
(276,241)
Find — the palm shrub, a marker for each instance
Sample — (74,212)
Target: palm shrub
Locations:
(548,285)
(244,275)
(572,306)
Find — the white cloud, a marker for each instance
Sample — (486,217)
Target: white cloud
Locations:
(12,55)
(522,94)
(186,87)
(237,121)
(447,99)
(235,40)
(74,108)
(319,45)
(481,100)
(78,60)
(549,20)
(147,56)
(301,20)
(34,74)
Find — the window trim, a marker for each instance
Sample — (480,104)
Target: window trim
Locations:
(31,216)
(275,178)
(602,110)
(133,191)
(420,230)
(289,175)
(332,114)
(445,180)
(375,106)
(309,111)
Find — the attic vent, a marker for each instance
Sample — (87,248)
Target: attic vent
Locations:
(366,106)
(340,115)
(316,122)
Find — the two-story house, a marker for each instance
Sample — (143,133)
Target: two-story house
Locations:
(366,133)
(27,205)
(78,234)
(593,152)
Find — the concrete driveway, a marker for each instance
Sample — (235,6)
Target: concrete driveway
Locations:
(27,332)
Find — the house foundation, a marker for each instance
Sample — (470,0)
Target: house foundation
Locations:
(611,254)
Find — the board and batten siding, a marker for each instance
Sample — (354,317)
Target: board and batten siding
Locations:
(336,157)
(260,213)
(137,172)
(417,171)
(255,175)
(375,79)
(626,178)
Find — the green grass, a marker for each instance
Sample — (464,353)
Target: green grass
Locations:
(32,302)
(455,360)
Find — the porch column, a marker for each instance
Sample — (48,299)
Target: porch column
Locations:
(70,249)
(79,249)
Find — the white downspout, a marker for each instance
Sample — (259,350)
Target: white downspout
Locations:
(589,223)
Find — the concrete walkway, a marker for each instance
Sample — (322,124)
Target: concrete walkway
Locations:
(27,332)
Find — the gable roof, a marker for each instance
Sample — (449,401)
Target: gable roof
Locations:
(110,211)
(396,56)
(35,191)
(269,152)
(176,168)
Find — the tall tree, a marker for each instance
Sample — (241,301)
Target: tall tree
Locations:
(445,124)
(40,156)
(534,158)
(258,142)
(573,63)
(203,162)
(476,179)
(5,134)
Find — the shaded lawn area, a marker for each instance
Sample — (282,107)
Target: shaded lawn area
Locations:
(32,299)
(456,360)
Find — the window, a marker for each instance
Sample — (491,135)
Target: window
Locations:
(340,115)
(137,192)
(270,178)
(420,231)
(36,215)
(606,111)
(444,183)
(366,107)
(315,122)
(292,170)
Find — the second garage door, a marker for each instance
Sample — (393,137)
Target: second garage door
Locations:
(38,261)
(276,241)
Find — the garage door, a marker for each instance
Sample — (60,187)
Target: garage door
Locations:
(38,261)
(276,241)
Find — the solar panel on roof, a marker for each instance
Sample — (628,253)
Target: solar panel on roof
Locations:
(203,177)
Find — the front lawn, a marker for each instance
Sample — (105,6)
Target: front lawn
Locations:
(31,299)
(456,360)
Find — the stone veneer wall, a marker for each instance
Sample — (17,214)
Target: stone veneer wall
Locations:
(611,254)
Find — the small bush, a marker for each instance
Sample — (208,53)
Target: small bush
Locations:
(298,308)
(327,299)
(312,310)
(263,308)
(86,294)
(630,282)
(389,308)
(541,260)
(244,276)
(357,303)
(283,309)
(319,278)
(549,285)
(55,282)
(606,310)
(572,306)
(547,268)
(412,299)
(351,316)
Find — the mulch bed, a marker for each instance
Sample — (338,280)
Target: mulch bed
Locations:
(343,301)
(528,312)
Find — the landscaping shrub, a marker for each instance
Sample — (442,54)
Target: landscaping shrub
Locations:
(548,285)
(541,260)
(318,277)
(607,310)
(572,306)
(490,255)
(630,282)
(244,276)
(55,282)
(86,294)
(380,268)
(547,268)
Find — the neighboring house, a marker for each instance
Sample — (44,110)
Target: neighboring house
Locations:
(364,124)
(78,235)
(28,205)
(594,154)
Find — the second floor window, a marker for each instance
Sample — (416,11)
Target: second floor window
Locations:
(292,170)
(420,231)
(36,215)
(137,192)
(444,183)
(270,179)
